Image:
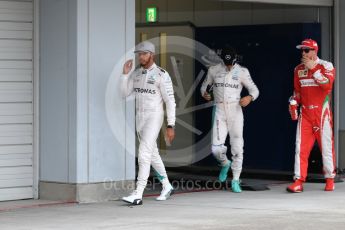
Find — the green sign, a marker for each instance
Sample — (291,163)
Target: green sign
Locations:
(151,14)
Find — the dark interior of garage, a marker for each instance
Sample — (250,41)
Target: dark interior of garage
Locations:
(265,37)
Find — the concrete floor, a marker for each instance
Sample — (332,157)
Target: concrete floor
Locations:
(273,209)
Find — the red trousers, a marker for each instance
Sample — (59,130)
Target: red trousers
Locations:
(315,123)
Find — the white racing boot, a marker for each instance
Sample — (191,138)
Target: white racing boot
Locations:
(135,198)
(167,191)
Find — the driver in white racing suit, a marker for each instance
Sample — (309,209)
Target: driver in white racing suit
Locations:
(152,86)
(228,79)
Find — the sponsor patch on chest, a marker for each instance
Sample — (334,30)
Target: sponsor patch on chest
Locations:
(227,85)
(220,75)
(302,73)
(145,91)
(235,77)
(308,83)
(151,79)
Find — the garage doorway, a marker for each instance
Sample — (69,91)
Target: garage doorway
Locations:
(18,97)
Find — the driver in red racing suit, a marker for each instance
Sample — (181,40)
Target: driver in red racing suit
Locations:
(313,82)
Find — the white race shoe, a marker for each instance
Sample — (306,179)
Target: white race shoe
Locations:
(167,191)
(135,198)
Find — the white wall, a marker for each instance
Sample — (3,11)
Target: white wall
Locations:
(81,42)
(57,71)
(111,35)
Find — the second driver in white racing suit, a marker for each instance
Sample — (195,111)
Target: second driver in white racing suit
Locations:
(228,78)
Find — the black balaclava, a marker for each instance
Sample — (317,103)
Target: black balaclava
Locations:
(229,56)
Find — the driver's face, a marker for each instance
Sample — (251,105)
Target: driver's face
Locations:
(144,58)
(308,53)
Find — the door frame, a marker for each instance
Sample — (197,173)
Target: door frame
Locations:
(336,56)
(36,66)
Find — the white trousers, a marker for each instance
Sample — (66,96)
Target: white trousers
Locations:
(149,127)
(228,120)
